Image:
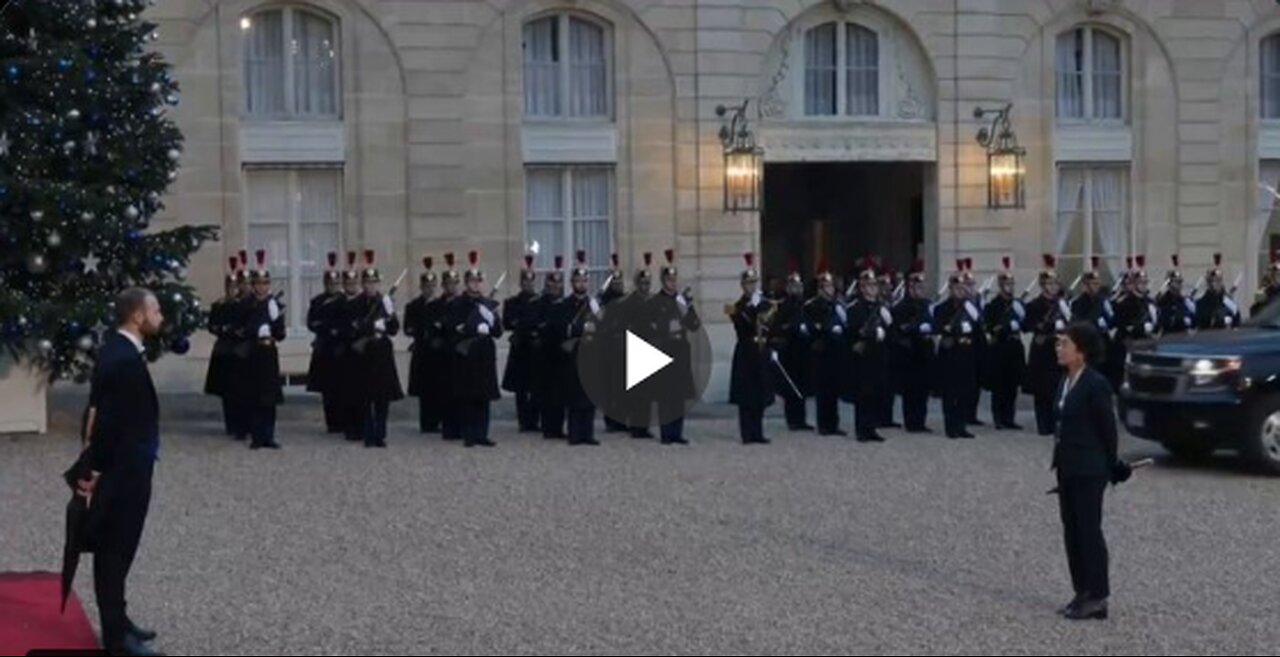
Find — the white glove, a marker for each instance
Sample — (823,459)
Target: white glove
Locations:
(1102,323)
(837,329)
(388,305)
(1186,321)
(926,329)
(486,314)
(380,326)
(804,329)
(966,328)
(756,299)
(683,303)
(264,332)
(273,309)
(595,306)
(1149,327)
(1060,325)
(588,327)
(483,329)
(1014,326)
(1230,321)
(674,326)
(880,334)
(886,316)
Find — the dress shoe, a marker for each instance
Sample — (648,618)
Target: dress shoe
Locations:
(833,432)
(486,443)
(976,423)
(1071,606)
(966,435)
(1088,610)
(140,633)
(763,441)
(871,438)
(132,646)
(675,441)
(890,425)
(1013,426)
(800,427)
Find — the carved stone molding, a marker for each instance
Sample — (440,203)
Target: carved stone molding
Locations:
(843,141)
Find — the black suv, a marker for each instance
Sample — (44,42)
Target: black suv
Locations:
(1214,390)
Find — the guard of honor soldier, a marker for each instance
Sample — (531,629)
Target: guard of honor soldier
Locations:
(751,386)
(473,328)
(886,340)
(520,319)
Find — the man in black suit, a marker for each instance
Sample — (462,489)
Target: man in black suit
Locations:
(124,444)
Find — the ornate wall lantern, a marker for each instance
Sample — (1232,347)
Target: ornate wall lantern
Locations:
(743,161)
(1006,160)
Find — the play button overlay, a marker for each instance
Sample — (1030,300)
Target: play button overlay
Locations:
(648,363)
(643,360)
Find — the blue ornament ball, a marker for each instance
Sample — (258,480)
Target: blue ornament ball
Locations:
(64,63)
(14,72)
(180,346)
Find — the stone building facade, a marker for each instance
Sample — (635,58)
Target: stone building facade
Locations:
(416,127)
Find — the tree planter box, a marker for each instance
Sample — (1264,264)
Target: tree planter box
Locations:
(23,401)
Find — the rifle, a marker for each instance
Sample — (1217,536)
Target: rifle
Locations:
(363,343)
(493,294)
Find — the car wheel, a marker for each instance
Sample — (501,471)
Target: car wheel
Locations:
(1188,450)
(1262,444)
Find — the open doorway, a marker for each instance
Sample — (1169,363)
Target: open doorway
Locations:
(841,212)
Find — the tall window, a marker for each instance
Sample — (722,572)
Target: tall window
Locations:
(842,71)
(294,214)
(566,68)
(290,65)
(1265,227)
(567,209)
(1270,69)
(1093,217)
(1090,67)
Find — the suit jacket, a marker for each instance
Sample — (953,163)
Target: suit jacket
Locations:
(1087,440)
(128,413)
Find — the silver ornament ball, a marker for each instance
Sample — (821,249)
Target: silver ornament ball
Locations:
(45,346)
(36,263)
(37,215)
(175,154)
(85,343)
(73,114)
(54,240)
(131,212)
(92,23)
(86,216)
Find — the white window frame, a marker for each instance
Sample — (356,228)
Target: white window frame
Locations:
(288,12)
(295,302)
(1090,109)
(599,267)
(842,72)
(1090,244)
(566,69)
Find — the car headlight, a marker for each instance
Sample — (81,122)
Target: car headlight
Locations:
(1214,371)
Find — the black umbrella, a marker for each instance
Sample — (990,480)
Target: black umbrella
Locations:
(77,528)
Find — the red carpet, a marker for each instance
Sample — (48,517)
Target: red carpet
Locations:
(30,619)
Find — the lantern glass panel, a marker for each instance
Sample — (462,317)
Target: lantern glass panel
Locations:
(1007,175)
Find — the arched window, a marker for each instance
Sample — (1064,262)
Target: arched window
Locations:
(566,68)
(842,70)
(290,65)
(1091,78)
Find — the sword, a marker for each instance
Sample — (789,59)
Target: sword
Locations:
(1236,285)
(498,286)
(607,282)
(774,357)
(1133,466)
(399,280)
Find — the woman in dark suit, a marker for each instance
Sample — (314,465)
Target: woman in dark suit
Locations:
(1085,459)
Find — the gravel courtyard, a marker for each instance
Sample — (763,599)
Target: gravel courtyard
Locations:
(808,546)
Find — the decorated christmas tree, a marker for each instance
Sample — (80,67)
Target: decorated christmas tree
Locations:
(86,151)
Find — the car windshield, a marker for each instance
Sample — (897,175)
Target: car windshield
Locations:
(1268,317)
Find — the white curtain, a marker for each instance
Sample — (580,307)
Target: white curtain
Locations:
(1070,207)
(1271,78)
(821,68)
(314,66)
(544,213)
(319,208)
(592,209)
(1070,65)
(542,67)
(264,64)
(863,72)
(1107,97)
(588,71)
(267,219)
(1111,228)
(1264,222)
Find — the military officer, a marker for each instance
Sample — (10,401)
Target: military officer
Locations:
(445,390)
(550,397)
(1047,316)
(222,318)
(630,307)
(474,328)
(1176,310)
(1217,309)
(913,350)
(320,321)
(1137,318)
(376,324)
(519,318)
(828,321)
(958,322)
(1006,357)
(260,389)
(869,324)
(670,316)
(423,323)
(790,336)
(613,332)
(751,386)
(575,321)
